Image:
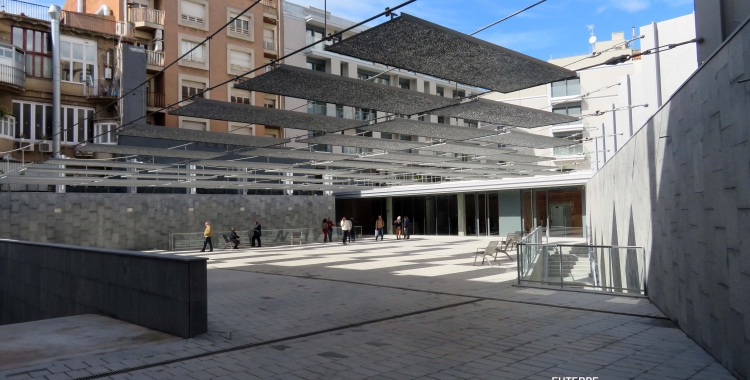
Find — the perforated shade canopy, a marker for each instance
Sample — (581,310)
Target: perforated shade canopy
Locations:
(143,151)
(502,113)
(406,157)
(363,165)
(336,89)
(520,158)
(297,154)
(528,140)
(426,129)
(242,113)
(474,150)
(180,134)
(414,44)
(104,163)
(362,142)
(240,164)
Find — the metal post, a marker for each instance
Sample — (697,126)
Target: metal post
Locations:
(559,254)
(657,64)
(546,193)
(55,13)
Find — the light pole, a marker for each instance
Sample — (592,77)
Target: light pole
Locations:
(55,15)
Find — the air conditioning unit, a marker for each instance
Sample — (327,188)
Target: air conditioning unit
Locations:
(158,45)
(25,146)
(45,147)
(108,73)
(159,35)
(84,154)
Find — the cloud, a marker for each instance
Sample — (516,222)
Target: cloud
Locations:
(631,5)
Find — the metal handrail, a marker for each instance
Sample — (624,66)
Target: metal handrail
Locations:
(150,15)
(89,22)
(12,75)
(194,240)
(155,58)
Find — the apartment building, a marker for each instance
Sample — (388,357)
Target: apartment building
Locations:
(305,25)
(612,99)
(167,29)
(90,81)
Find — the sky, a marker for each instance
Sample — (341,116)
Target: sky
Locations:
(553,29)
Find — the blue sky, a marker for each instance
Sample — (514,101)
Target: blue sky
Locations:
(555,28)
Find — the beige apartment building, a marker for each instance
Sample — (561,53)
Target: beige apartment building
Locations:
(169,28)
(89,81)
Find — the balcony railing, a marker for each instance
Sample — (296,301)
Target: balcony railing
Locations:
(155,99)
(318,46)
(240,31)
(89,22)
(25,9)
(12,75)
(106,89)
(269,45)
(155,58)
(317,109)
(153,16)
(269,6)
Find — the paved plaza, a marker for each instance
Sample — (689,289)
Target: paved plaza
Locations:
(399,310)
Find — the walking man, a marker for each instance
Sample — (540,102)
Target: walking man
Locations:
(330,230)
(352,234)
(256,233)
(407,227)
(207,236)
(379,224)
(346,226)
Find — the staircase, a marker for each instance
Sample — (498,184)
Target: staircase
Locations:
(576,268)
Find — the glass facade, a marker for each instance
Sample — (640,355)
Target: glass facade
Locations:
(491,213)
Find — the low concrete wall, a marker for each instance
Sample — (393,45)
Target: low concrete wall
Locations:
(681,189)
(144,221)
(162,292)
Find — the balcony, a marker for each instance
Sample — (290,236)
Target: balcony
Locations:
(269,6)
(317,109)
(155,100)
(106,90)
(319,46)
(12,78)
(90,22)
(154,58)
(269,45)
(146,18)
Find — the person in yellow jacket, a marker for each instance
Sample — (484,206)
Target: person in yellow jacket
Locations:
(379,224)
(207,234)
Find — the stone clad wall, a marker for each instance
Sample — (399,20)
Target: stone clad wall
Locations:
(144,221)
(681,188)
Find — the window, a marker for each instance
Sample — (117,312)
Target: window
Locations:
(106,133)
(273,132)
(366,75)
(316,65)
(319,147)
(240,25)
(568,87)
(240,61)
(33,121)
(572,110)
(364,114)
(440,91)
(387,136)
(269,103)
(190,89)
(77,61)
(239,96)
(313,34)
(193,12)
(460,93)
(318,108)
(38,51)
(268,39)
(7,126)
(443,120)
(242,129)
(197,55)
(404,83)
(471,123)
(562,151)
(194,125)
(339,110)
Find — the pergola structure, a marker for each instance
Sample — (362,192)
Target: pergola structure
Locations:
(201,159)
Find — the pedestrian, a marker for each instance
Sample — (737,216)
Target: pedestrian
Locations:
(325,230)
(397,223)
(256,233)
(207,238)
(406,227)
(346,226)
(234,238)
(352,232)
(330,229)
(379,224)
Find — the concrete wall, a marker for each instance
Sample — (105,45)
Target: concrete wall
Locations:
(161,292)
(144,221)
(680,188)
(716,20)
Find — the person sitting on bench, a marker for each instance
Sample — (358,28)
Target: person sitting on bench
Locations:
(234,238)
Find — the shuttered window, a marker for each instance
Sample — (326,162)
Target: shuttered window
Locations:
(194,125)
(193,12)
(240,61)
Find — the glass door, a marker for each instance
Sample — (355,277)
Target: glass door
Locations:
(493,214)
(482,214)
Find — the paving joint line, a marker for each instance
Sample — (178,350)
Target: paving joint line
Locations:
(278,340)
(453,294)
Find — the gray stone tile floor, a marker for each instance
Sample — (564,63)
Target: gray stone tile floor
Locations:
(400,310)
